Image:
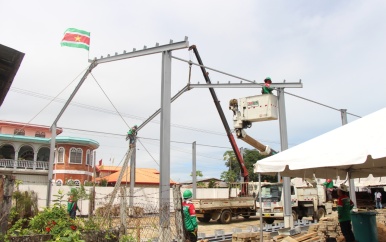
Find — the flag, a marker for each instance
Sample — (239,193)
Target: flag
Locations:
(76,38)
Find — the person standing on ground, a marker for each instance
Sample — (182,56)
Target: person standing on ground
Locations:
(189,213)
(132,134)
(378,199)
(72,206)
(329,184)
(266,89)
(344,207)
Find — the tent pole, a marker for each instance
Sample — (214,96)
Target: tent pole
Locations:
(353,197)
(352,190)
(261,210)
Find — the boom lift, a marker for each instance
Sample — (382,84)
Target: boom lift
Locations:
(253,109)
(243,169)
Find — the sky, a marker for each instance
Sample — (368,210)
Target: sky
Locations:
(336,48)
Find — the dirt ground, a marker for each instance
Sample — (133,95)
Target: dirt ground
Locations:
(241,223)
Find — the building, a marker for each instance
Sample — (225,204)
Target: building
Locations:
(25,152)
(144,177)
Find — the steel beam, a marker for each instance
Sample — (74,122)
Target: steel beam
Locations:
(145,51)
(248,85)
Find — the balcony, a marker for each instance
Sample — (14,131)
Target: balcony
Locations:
(23,164)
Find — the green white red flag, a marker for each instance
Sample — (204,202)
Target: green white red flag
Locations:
(76,38)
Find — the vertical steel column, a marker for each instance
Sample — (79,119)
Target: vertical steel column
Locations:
(288,221)
(194,171)
(132,174)
(164,189)
(51,163)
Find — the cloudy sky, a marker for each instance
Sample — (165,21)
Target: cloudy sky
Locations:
(336,48)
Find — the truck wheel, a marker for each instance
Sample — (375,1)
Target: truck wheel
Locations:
(269,220)
(294,215)
(319,214)
(226,217)
(205,219)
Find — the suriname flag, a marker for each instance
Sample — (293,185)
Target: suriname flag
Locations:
(76,38)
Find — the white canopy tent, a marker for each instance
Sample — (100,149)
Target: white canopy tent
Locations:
(357,148)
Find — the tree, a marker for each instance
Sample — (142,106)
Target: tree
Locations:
(198,174)
(250,158)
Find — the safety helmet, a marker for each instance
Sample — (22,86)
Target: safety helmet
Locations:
(187,194)
(267,79)
(135,126)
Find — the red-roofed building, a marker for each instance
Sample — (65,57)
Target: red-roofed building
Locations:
(144,177)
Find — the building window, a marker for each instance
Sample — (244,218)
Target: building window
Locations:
(76,155)
(19,132)
(77,183)
(60,155)
(91,158)
(88,157)
(59,182)
(40,134)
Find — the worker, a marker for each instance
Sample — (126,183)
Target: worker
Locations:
(344,207)
(72,206)
(378,199)
(189,212)
(132,134)
(266,89)
(329,185)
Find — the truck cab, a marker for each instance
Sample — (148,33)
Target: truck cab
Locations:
(305,202)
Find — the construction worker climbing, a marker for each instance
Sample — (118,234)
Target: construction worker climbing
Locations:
(132,134)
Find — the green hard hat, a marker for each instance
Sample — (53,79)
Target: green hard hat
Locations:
(187,194)
(267,79)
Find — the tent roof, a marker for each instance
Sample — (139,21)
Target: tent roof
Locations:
(358,147)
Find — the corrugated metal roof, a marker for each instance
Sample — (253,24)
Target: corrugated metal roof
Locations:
(10,61)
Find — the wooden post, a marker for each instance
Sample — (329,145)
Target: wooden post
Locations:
(91,204)
(177,200)
(123,211)
(6,190)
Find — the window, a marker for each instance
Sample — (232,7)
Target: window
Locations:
(40,134)
(19,132)
(88,157)
(91,158)
(60,155)
(59,182)
(76,155)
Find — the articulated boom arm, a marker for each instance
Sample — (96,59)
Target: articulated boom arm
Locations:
(263,149)
(251,111)
(244,171)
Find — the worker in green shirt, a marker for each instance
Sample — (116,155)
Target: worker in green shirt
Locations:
(344,207)
(132,134)
(266,89)
(329,184)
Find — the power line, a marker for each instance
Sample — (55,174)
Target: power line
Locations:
(60,100)
(243,79)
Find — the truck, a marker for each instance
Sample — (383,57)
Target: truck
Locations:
(224,209)
(305,202)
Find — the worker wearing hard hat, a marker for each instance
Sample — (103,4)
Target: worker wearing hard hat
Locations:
(190,220)
(266,89)
(344,207)
(132,134)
